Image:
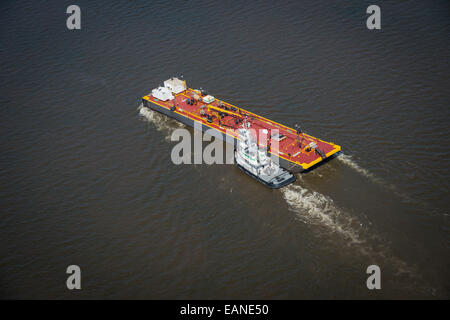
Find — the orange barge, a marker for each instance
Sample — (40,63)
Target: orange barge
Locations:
(296,151)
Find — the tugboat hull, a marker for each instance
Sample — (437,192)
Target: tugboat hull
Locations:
(275,183)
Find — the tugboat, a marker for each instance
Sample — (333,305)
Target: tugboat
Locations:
(253,159)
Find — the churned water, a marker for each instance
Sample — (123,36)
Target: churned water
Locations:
(87,178)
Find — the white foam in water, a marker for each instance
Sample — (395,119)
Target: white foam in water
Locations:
(346,159)
(160,121)
(352,164)
(313,207)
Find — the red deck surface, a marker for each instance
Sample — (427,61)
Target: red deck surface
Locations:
(288,148)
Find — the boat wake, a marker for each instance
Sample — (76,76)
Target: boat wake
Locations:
(160,121)
(348,160)
(314,208)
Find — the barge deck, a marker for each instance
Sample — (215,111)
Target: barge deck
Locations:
(297,151)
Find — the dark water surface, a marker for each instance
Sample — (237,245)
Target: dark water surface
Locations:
(86,181)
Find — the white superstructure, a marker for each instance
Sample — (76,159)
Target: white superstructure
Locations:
(254,159)
(171,86)
(175,85)
(163,94)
